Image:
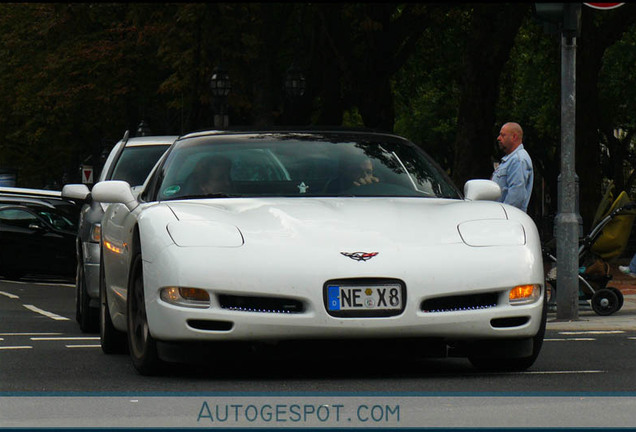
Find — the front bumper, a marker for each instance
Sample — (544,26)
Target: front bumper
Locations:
(424,280)
(168,322)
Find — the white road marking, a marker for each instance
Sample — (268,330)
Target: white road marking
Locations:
(29,334)
(46,313)
(56,284)
(563,372)
(15,347)
(63,338)
(595,332)
(83,346)
(569,339)
(11,296)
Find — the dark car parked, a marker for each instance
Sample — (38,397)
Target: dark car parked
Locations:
(37,234)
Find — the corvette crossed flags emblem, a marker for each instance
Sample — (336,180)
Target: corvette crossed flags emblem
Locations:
(360,256)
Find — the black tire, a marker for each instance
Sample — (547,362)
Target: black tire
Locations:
(519,363)
(141,345)
(112,340)
(77,295)
(550,292)
(87,316)
(619,294)
(605,302)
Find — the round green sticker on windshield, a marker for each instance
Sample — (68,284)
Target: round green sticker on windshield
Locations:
(171,190)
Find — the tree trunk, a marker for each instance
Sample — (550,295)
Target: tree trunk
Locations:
(491,37)
(267,83)
(363,45)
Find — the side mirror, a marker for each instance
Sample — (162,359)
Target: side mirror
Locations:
(115,191)
(78,192)
(482,190)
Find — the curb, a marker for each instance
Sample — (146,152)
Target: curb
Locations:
(622,321)
(625,287)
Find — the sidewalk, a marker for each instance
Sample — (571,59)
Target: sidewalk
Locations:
(624,319)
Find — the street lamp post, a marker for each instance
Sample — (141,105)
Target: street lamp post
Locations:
(294,82)
(220,85)
(294,87)
(143,129)
(564,18)
(567,220)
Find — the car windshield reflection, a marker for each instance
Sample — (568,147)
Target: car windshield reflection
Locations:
(301,166)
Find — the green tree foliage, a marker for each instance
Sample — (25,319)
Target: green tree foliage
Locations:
(617,118)
(74,77)
(71,75)
(427,87)
(600,31)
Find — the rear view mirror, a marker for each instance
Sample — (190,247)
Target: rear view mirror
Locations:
(115,191)
(78,192)
(478,190)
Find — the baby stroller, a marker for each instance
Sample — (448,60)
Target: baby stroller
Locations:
(606,241)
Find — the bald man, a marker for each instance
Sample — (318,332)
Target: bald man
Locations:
(515,174)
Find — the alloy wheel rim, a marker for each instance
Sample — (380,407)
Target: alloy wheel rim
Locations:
(139,322)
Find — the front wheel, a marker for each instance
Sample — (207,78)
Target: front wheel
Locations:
(141,344)
(500,362)
(87,316)
(112,340)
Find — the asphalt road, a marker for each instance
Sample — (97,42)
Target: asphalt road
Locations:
(43,355)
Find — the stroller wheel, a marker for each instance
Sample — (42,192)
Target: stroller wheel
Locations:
(620,296)
(605,302)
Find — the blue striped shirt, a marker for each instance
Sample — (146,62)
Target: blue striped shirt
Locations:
(515,177)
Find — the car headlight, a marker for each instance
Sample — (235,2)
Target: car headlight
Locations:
(204,233)
(492,232)
(524,294)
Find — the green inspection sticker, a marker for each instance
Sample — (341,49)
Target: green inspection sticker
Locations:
(171,190)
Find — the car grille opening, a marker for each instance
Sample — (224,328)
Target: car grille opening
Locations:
(460,303)
(211,325)
(509,322)
(276,305)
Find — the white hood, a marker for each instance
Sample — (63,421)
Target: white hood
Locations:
(354,223)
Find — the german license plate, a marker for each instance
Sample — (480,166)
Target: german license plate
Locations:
(365,298)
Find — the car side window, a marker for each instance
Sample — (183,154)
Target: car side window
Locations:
(17,218)
(58,221)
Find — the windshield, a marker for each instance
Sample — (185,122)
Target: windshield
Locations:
(300,165)
(136,162)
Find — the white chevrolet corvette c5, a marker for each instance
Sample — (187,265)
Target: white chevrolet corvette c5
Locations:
(330,235)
